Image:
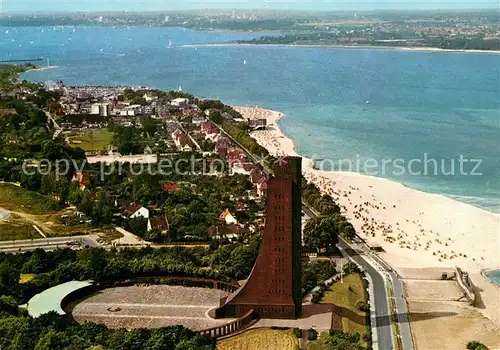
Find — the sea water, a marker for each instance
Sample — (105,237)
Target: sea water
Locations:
(355,104)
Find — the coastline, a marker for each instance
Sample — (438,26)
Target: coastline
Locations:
(416,229)
(339,46)
(485,272)
(40,69)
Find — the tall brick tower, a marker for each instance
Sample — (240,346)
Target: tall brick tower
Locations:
(273,288)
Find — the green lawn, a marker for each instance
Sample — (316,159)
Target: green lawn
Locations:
(21,200)
(91,140)
(347,295)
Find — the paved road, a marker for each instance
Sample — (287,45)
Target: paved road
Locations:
(402,312)
(382,320)
(401,306)
(48,244)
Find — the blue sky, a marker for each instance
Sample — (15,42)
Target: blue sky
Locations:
(165,5)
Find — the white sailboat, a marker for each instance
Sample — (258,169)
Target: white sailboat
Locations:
(180,88)
(244,61)
(169,43)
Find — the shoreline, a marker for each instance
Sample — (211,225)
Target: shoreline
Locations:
(484,273)
(339,46)
(416,229)
(40,69)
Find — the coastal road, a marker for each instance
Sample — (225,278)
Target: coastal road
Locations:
(402,312)
(382,311)
(400,303)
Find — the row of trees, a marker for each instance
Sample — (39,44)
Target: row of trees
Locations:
(51,331)
(322,232)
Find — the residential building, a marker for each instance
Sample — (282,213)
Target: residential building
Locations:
(230,232)
(136,210)
(170,187)
(227,217)
(179,102)
(158,223)
(149,97)
(83,180)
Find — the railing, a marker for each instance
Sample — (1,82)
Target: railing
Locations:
(228,328)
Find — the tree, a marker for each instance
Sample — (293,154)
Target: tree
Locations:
(363,306)
(8,305)
(321,233)
(312,334)
(138,225)
(9,278)
(475,345)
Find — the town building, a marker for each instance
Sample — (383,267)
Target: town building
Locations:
(149,97)
(158,223)
(230,232)
(102,109)
(135,211)
(227,217)
(179,102)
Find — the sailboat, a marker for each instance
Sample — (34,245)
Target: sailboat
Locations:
(180,88)
(169,43)
(244,61)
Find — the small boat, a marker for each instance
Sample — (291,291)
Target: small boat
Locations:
(244,61)
(368,102)
(169,44)
(180,88)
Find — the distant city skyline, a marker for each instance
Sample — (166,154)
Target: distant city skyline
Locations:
(176,5)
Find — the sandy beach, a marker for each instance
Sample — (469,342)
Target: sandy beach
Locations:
(41,68)
(416,229)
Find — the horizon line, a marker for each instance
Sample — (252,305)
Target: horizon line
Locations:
(249,9)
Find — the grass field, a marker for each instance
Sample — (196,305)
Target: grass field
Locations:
(29,208)
(19,199)
(262,339)
(91,140)
(347,295)
(11,230)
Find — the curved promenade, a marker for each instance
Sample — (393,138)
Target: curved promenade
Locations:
(51,299)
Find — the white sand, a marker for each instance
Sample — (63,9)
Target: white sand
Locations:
(416,229)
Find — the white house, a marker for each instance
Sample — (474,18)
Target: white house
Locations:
(227,217)
(159,223)
(180,102)
(136,210)
(148,96)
